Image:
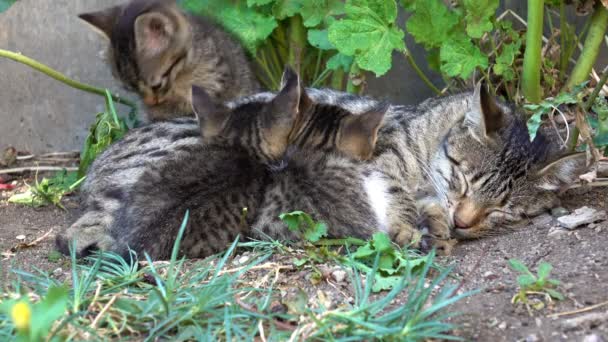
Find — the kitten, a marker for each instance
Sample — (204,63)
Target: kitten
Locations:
(159,51)
(138,190)
(466,161)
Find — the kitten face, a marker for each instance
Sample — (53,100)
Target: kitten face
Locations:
(151,46)
(491,172)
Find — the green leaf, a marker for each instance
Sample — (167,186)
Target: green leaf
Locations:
(518,266)
(525,280)
(544,268)
(534,123)
(249,25)
(459,57)
(382,243)
(369,34)
(340,61)
(5,4)
(385,283)
(316,11)
(431,23)
(315,233)
(320,39)
(554,294)
(252,3)
(505,60)
(286,8)
(292,220)
(45,313)
(364,251)
(479,13)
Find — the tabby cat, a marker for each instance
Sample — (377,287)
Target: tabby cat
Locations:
(466,161)
(159,52)
(138,191)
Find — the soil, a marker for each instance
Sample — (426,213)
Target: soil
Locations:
(579,258)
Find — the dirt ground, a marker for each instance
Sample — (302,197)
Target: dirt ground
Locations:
(579,257)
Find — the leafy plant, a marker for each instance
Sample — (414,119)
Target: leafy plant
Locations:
(531,284)
(301,222)
(48,191)
(33,321)
(108,128)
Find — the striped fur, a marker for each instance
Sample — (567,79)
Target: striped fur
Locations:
(159,52)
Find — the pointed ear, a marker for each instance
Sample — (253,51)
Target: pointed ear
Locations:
(561,172)
(485,116)
(359,133)
(102,21)
(212,117)
(287,102)
(153,33)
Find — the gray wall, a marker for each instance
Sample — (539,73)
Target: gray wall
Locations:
(39,114)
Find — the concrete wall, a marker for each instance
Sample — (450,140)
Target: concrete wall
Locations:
(39,114)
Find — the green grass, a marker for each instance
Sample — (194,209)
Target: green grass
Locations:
(109,297)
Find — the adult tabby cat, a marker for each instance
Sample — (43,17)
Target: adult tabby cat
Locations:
(159,52)
(138,191)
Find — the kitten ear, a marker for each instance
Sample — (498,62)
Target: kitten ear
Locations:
(359,133)
(211,116)
(153,33)
(486,117)
(102,21)
(561,172)
(287,102)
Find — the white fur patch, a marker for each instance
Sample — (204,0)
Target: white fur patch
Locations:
(377,194)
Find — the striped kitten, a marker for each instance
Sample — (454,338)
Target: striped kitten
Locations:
(137,192)
(159,52)
(466,161)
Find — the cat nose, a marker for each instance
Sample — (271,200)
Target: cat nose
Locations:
(150,100)
(467,214)
(460,223)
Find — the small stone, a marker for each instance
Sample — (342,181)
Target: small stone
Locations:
(593,338)
(543,220)
(592,225)
(556,232)
(598,229)
(587,319)
(242,260)
(581,216)
(57,272)
(502,326)
(20,237)
(489,275)
(532,338)
(338,275)
(559,211)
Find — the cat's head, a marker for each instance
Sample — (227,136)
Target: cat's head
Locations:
(150,49)
(492,173)
(270,123)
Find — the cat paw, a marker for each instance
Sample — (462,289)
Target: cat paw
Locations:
(406,235)
(442,247)
(85,240)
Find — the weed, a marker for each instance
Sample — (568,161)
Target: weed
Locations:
(530,284)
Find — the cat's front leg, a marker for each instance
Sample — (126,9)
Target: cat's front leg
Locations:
(434,222)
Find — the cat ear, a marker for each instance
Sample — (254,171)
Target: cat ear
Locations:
(486,116)
(359,133)
(102,21)
(287,102)
(153,33)
(211,115)
(562,172)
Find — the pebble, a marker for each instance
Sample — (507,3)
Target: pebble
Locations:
(581,216)
(559,211)
(593,338)
(598,229)
(57,272)
(502,326)
(532,338)
(242,260)
(20,237)
(583,320)
(556,232)
(543,220)
(338,275)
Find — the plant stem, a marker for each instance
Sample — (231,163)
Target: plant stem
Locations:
(532,55)
(587,106)
(337,79)
(591,47)
(61,77)
(355,79)
(419,72)
(563,57)
(297,42)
